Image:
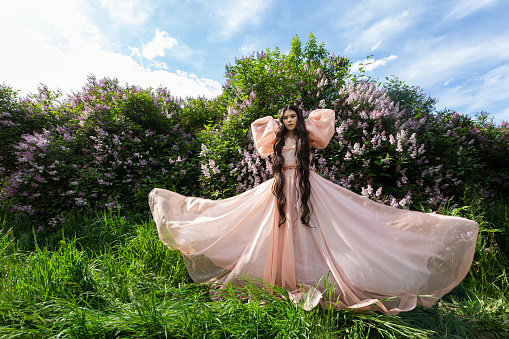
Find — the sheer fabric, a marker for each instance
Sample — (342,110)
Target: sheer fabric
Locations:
(365,255)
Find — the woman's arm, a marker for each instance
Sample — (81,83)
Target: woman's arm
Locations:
(320,127)
(264,135)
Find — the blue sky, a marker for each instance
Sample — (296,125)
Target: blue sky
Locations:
(457,51)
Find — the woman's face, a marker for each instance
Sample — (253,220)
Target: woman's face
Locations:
(290,119)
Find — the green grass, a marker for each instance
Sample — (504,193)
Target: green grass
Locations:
(106,276)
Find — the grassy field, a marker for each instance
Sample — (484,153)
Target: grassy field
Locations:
(107,276)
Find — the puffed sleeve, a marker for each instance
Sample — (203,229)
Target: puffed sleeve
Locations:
(264,135)
(320,127)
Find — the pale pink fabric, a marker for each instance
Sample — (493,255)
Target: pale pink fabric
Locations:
(319,124)
(320,127)
(357,253)
(264,134)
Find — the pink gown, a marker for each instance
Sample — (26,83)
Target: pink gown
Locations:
(359,253)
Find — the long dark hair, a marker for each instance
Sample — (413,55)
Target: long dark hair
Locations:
(302,153)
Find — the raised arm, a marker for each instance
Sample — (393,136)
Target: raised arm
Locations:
(264,135)
(320,127)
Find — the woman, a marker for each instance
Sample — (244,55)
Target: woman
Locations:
(303,233)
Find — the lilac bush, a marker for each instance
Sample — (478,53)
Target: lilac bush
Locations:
(384,154)
(110,145)
(21,116)
(490,145)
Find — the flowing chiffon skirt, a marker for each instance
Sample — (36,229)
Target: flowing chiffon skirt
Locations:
(371,256)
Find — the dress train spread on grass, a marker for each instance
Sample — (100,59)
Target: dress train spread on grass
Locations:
(370,256)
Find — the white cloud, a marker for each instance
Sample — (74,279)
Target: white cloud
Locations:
(368,24)
(184,53)
(364,12)
(370,35)
(157,46)
(488,90)
(67,70)
(60,21)
(445,58)
(248,48)
(60,49)
(136,52)
(188,85)
(130,12)
(463,8)
(257,43)
(434,51)
(384,29)
(498,77)
(231,16)
(493,89)
(371,64)
(159,64)
(376,46)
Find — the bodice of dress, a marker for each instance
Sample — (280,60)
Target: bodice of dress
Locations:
(319,125)
(289,152)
